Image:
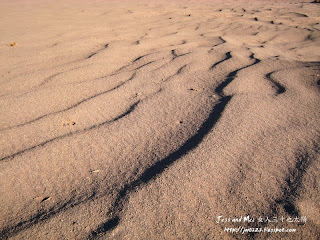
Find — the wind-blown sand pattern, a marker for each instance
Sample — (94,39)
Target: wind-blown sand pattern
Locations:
(149,119)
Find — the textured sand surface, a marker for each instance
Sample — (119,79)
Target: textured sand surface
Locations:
(149,119)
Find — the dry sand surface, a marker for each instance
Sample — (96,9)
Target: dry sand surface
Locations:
(150,119)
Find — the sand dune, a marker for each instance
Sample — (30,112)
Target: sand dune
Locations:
(150,119)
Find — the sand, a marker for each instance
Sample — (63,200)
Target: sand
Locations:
(159,119)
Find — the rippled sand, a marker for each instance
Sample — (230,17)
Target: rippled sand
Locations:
(149,119)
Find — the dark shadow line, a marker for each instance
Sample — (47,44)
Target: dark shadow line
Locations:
(138,58)
(177,73)
(72,106)
(41,216)
(10,231)
(232,75)
(228,56)
(132,107)
(293,183)
(216,45)
(145,65)
(280,88)
(181,69)
(91,55)
(13,230)
(160,166)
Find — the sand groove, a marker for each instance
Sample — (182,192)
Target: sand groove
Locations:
(280,88)
(228,56)
(230,77)
(73,106)
(160,166)
(128,111)
(105,47)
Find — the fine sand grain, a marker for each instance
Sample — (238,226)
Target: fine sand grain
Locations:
(150,119)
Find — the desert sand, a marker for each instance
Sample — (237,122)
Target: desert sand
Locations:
(159,119)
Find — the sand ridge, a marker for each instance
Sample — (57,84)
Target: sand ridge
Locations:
(148,119)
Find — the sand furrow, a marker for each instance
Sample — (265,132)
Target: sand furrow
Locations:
(73,106)
(156,169)
(230,77)
(160,166)
(228,56)
(280,88)
(128,111)
(92,54)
